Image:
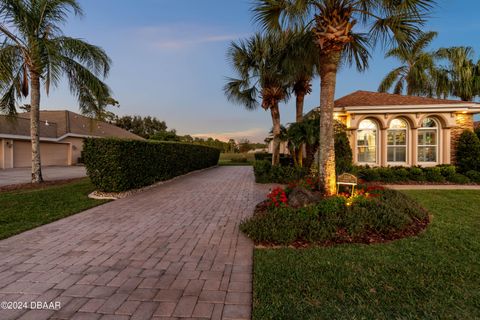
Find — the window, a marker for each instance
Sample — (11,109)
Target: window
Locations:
(428,141)
(397,138)
(367,142)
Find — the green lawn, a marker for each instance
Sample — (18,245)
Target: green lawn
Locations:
(236,159)
(433,276)
(24,210)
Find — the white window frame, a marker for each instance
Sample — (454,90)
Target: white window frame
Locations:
(377,136)
(407,139)
(437,146)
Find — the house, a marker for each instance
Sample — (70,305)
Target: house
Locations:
(395,130)
(61,138)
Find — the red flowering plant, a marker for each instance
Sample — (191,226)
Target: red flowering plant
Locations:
(277,198)
(308,183)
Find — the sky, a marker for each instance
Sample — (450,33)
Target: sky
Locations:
(169,60)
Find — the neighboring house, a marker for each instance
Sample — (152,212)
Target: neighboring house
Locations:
(395,130)
(61,138)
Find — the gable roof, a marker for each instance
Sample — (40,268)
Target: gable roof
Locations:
(374,99)
(58,124)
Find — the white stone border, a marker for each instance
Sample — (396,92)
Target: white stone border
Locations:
(99,195)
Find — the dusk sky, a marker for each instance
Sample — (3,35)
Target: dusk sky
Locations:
(169,60)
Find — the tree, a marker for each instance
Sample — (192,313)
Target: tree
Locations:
(460,77)
(334,24)
(35,53)
(98,109)
(257,63)
(468,152)
(417,69)
(145,127)
(170,135)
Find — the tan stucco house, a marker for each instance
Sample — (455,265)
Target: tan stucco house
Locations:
(395,130)
(61,138)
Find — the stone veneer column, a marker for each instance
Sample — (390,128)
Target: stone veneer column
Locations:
(382,148)
(445,148)
(464,122)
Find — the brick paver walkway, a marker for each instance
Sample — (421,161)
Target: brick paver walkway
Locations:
(174,251)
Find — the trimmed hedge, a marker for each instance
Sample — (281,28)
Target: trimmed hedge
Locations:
(266,173)
(116,165)
(438,174)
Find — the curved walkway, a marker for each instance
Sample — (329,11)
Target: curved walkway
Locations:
(174,251)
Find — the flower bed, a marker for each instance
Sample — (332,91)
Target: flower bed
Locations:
(372,214)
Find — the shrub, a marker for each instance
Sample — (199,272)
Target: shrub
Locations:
(473,176)
(263,156)
(416,174)
(262,171)
(368,174)
(468,152)
(389,213)
(266,173)
(434,174)
(343,153)
(116,165)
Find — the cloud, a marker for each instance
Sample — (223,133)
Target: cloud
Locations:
(181,36)
(254,135)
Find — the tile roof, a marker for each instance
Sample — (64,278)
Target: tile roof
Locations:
(55,124)
(368,98)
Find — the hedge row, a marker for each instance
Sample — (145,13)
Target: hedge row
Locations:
(439,174)
(116,165)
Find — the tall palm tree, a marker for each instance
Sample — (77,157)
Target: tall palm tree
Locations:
(257,63)
(301,63)
(35,53)
(334,24)
(460,77)
(415,73)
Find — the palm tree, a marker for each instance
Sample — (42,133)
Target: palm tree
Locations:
(257,62)
(416,70)
(461,76)
(301,62)
(333,23)
(35,53)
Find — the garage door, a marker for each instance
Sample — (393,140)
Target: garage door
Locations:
(52,154)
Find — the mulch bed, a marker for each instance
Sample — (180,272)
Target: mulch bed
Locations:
(35,186)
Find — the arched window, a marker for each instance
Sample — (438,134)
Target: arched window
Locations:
(397,137)
(367,142)
(428,141)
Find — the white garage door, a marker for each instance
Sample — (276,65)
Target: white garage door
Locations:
(52,154)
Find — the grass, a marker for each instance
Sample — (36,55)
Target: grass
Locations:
(236,159)
(433,276)
(27,209)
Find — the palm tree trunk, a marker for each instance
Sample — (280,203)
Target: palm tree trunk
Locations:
(299,118)
(276,134)
(34,128)
(328,78)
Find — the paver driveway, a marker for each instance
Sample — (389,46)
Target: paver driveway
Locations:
(174,251)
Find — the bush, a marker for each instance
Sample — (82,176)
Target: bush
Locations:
(385,215)
(118,165)
(434,174)
(468,152)
(343,153)
(416,174)
(473,176)
(266,173)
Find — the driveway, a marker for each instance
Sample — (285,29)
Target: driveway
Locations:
(23,175)
(174,251)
